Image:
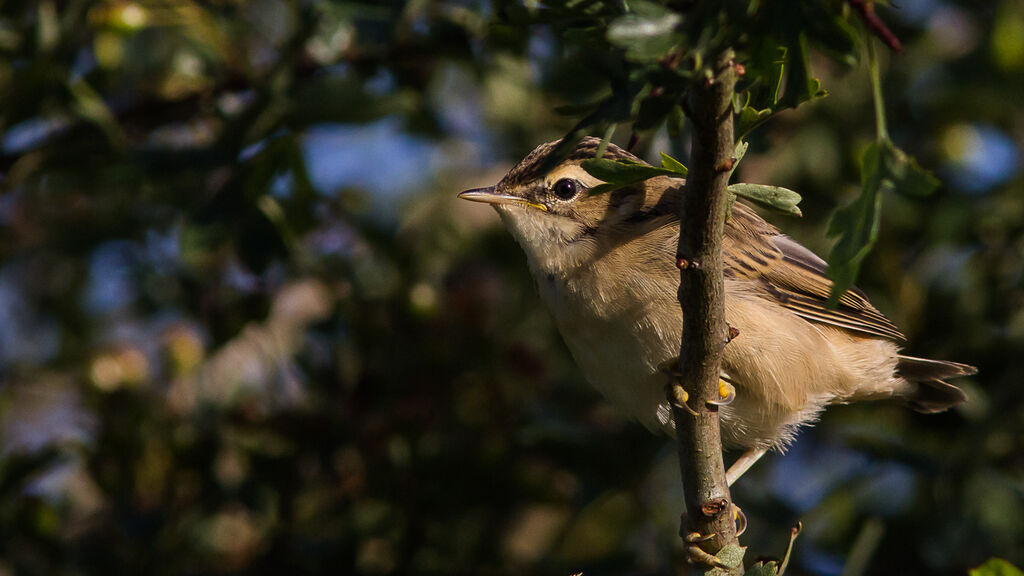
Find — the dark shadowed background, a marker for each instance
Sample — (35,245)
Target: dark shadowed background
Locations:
(246,327)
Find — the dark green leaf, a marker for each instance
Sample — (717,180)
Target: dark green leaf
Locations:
(617,174)
(763,569)
(676,121)
(828,30)
(652,112)
(801,86)
(884,167)
(776,197)
(856,225)
(904,174)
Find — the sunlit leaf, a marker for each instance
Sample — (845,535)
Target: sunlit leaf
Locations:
(996,567)
(670,163)
(731,555)
(647,33)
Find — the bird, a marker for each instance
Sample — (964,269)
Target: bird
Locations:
(605,267)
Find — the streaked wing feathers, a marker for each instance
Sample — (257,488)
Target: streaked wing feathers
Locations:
(795,277)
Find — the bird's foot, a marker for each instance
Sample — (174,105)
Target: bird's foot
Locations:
(676,393)
(726,394)
(696,555)
(740,518)
(680,397)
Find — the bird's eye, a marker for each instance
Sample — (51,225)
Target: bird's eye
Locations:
(566,188)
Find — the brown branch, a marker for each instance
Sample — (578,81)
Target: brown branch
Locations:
(701,296)
(866,9)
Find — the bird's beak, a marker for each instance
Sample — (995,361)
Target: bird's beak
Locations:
(491,196)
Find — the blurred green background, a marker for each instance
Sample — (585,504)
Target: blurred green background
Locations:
(245,327)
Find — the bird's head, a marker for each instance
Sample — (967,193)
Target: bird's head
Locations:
(554,216)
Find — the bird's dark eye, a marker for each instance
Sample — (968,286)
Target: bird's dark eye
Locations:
(566,188)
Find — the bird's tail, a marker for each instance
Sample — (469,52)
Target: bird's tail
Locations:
(931,393)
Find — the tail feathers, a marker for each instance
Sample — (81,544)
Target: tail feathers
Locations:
(931,394)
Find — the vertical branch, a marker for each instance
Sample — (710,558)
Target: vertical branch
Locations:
(701,296)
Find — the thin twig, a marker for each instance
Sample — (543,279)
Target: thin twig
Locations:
(866,9)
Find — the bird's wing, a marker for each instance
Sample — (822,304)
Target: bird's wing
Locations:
(795,277)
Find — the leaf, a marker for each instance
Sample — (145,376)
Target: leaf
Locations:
(739,152)
(731,555)
(751,118)
(647,33)
(776,568)
(905,175)
(652,111)
(617,174)
(830,32)
(763,569)
(676,121)
(777,197)
(670,163)
(856,226)
(996,567)
(801,86)
(884,167)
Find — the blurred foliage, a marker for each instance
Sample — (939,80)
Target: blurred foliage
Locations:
(245,327)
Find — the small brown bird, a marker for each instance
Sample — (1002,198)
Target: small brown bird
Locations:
(605,267)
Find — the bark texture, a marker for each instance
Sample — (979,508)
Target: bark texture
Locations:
(701,296)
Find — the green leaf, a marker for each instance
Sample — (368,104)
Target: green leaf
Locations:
(905,175)
(731,555)
(996,567)
(670,163)
(776,197)
(647,33)
(830,32)
(676,121)
(884,167)
(739,152)
(856,225)
(617,174)
(652,111)
(801,86)
(751,118)
(763,569)
(776,568)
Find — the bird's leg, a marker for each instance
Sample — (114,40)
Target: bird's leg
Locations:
(740,518)
(696,555)
(680,397)
(743,464)
(676,392)
(726,393)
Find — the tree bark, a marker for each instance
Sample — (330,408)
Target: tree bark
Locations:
(701,296)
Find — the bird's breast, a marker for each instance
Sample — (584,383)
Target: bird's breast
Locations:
(618,338)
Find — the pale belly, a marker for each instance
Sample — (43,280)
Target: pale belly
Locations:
(619,353)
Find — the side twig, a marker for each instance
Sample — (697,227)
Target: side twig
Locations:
(866,9)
